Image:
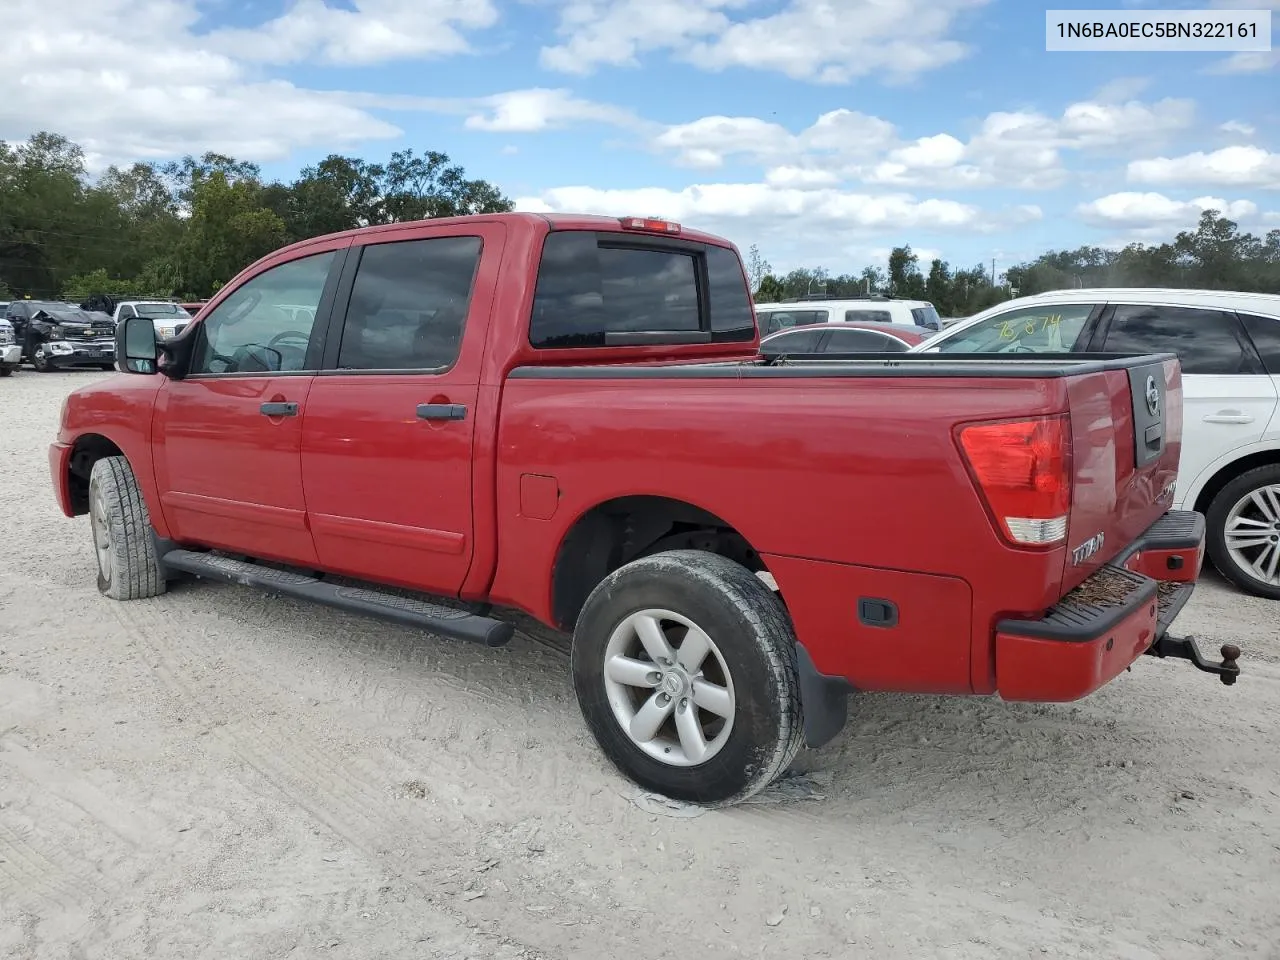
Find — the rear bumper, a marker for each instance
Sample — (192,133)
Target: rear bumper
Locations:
(11,354)
(1102,626)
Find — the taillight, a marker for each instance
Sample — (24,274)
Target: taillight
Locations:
(1023,471)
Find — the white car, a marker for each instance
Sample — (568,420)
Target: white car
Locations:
(169,318)
(10,349)
(773,317)
(1229,347)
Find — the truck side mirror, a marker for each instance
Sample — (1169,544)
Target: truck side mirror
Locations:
(136,348)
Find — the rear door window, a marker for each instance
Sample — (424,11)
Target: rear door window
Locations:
(1265,334)
(926,317)
(868,316)
(603,289)
(863,341)
(796,341)
(1205,341)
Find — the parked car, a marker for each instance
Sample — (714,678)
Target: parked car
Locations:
(168,317)
(1229,346)
(843,338)
(59,335)
(10,349)
(20,312)
(568,417)
(773,317)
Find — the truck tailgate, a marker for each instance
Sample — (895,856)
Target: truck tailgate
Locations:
(1126,439)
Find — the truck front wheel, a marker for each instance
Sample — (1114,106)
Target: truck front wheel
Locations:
(122,541)
(684,665)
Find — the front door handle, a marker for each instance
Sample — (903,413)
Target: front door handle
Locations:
(1227,416)
(442,411)
(279,409)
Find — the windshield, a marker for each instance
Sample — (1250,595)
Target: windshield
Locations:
(156,310)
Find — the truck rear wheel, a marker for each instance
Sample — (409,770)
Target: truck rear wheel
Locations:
(1243,531)
(684,665)
(121,525)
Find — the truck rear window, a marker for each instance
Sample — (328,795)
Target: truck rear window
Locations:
(591,285)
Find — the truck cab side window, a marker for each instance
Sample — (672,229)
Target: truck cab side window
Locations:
(409,304)
(1204,340)
(594,284)
(259,328)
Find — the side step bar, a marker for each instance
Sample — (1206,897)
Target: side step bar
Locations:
(432,617)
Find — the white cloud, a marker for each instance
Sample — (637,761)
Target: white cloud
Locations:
(1248,61)
(373,31)
(1121,89)
(528,111)
(1009,149)
(1239,127)
(128,79)
(1242,166)
(755,201)
(803,225)
(826,41)
(1147,210)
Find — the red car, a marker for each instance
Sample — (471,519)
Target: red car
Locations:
(856,336)
(568,416)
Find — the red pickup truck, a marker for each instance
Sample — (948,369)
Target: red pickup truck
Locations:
(453,422)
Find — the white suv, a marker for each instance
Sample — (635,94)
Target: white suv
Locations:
(772,317)
(1229,347)
(10,349)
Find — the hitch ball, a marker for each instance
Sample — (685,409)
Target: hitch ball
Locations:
(1230,654)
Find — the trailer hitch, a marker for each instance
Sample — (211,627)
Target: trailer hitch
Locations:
(1184,648)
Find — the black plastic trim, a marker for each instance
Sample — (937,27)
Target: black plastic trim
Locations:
(869,609)
(869,365)
(824,701)
(1176,530)
(438,619)
(1072,620)
(1170,605)
(646,338)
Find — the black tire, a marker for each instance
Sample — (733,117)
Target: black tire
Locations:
(131,569)
(41,364)
(1216,521)
(754,637)
(5,370)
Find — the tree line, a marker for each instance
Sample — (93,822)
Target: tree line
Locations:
(184,228)
(1217,255)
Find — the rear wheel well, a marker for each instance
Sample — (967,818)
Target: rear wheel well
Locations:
(1229,472)
(87,451)
(619,531)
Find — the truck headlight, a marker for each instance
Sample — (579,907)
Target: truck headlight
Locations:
(60,347)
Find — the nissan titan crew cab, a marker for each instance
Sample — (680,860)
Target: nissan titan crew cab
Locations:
(451,423)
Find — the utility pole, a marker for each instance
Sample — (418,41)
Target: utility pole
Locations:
(993,271)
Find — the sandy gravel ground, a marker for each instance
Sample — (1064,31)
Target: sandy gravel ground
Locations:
(219,774)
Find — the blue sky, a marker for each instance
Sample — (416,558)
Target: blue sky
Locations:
(825,132)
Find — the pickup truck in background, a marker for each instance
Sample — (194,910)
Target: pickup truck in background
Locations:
(450,423)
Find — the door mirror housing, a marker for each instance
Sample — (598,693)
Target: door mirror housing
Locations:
(136,348)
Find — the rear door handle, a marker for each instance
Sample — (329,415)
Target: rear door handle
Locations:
(279,409)
(1227,416)
(442,411)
